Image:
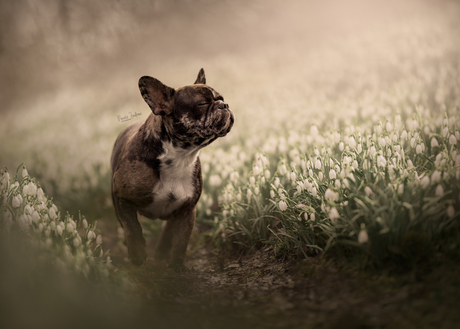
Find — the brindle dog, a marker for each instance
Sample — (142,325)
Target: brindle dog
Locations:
(156,171)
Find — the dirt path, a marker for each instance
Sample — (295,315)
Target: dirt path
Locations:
(257,290)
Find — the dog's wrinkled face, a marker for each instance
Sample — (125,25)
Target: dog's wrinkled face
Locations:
(200,114)
(193,115)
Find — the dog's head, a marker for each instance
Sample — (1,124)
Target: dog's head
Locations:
(194,114)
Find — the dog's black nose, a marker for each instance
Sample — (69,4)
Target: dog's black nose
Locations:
(223,106)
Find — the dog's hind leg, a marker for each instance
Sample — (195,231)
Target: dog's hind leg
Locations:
(127,215)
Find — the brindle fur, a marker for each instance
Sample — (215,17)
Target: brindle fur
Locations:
(182,121)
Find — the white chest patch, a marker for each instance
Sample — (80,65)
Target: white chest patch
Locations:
(176,181)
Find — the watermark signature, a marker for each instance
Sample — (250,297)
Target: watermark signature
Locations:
(129,116)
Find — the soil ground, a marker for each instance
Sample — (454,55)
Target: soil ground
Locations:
(258,290)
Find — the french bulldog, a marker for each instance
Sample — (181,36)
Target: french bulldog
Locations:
(156,171)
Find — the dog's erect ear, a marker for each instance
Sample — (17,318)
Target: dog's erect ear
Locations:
(157,95)
(201,78)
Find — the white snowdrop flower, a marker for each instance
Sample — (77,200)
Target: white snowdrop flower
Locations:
(293,176)
(368,191)
(372,151)
(316,151)
(35,217)
(313,130)
(454,154)
(434,142)
(282,205)
(426,130)
(378,130)
(249,194)
(400,189)
(382,142)
(53,226)
(59,229)
(256,190)
(439,190)
(435,176)
(397,148)
(352,142)
(256,170)
(28,209)
(318,164)
(307,185)
(234,177)
(310,172)
(423,147)
(85,223)
(280,191)
(272,194)
(77,241)
(381,162)
(389,126)
(314,192)
(32,189)
(277,182)
(341,146)
(41,195)
(320,176)
(238,196)
(363,237)
(224,214)
(452,140)
(252,180)
(15,202)
(52,213)
(418,149)
(450,211)
(215,180)
(445,131)
(409,164)
(267,174)
(331,195)
(283,169)
(25,190)
(359,148)
(305,215)
(69,227)
(312,216)
(404,135)
(355,164)
(387,140)
(91,235)
(24,172)
(394,137)
(299,189)
(425,181)
(333,213)
(388,153)
(412,142)
(346,183)
(332,174)
(232,212)
(337,183)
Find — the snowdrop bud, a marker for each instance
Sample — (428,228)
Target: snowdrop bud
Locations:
(277,182)
(434,142)
(381,162)
(41,195)
(52,213)
(85,223)
(272,194)
(24,172)
(372,151)
(452,140)
(252,180)
(238,197)
(435,176)
(299,188)
(267,174)
(293,176)
(282,205)
(397,148)
(314,192)
(352,142)
(368,191)
(305,215)
(283,169)
(401,189)
(382,142)
(256,190)
(388,153)
(425,181)
(25,190)
(341,146)
(59,229)
(32,189)
(332,174)
(439,190)
(310,173)
(91,235)
(256,170)
(333,213)
(412,142)
(451,211)
(337,183)
(320,176)
(409,164)
(312,216)
(404,135)
(389,126)
(318,164)
(346,183)
(418,149)
(445,131)
(53,226)
(15,202)
(69,227)
(249,194)
(363,237)
(378,129)
(35,217)
(77,242)
(359,148)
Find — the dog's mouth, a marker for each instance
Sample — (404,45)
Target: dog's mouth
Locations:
(228,124)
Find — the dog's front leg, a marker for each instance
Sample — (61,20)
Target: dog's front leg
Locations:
(127,214)
(182,227)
